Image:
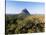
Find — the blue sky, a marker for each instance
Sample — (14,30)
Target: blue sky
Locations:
(16,7)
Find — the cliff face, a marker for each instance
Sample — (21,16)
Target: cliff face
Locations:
(25,11)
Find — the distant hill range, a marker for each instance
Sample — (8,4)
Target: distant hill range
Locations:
(25,11)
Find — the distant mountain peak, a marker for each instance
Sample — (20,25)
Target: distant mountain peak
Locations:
(25,11)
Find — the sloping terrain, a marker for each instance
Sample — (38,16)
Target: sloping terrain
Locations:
(18,24)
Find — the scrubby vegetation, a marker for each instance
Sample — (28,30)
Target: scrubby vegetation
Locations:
(16,24)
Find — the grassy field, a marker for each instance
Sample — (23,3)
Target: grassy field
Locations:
(18,24)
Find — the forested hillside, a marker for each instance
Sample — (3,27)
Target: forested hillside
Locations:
(20,23)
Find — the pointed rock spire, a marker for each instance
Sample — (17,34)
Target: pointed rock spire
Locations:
(25,11)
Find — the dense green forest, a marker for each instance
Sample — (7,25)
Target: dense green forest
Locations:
(20,23)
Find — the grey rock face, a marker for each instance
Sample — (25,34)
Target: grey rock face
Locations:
(25,11)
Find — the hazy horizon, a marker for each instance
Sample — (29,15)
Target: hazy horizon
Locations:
(15,7)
